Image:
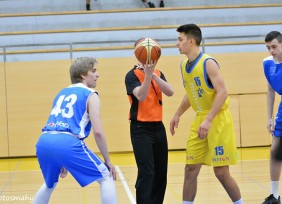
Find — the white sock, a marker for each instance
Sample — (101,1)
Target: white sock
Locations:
(275,188)
(187,202)
(43,194)
(108,190)
(239,201)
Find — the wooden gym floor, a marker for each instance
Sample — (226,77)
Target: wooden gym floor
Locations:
(21,177)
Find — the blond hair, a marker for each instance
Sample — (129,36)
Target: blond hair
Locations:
(80,67)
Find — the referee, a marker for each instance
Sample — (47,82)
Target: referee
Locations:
(144,86)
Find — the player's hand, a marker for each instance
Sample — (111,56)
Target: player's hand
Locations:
(204,129)
(174,124)
(112,170)
(149,68)
(270,126)
(64,172)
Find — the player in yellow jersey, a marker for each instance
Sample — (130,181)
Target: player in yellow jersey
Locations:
(212,139)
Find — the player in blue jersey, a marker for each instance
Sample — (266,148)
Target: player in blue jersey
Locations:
(61,147)
(272,66)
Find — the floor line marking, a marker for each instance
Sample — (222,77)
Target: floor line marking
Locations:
(124,183)
(2,172)
(10,178)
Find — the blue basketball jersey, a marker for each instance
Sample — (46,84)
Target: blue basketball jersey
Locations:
(69,112)
(273,73)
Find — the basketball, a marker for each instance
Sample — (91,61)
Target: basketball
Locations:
(147,50)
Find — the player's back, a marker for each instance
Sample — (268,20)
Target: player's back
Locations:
(69,111)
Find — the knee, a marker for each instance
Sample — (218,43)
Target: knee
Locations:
(46,188)
(191,172)
(273,151)
(221,173)
(108,180)
(146,174)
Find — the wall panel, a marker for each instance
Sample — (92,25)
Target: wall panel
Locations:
(234,109)
(31,87)
(3,114)
(243,72)
(253,117)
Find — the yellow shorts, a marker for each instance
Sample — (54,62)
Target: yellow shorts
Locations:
(219,148)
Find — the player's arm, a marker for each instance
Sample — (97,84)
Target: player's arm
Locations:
(141,92)
(165,87)
(185,104)
(219,87)
(270,104)
(99,135)
(217,81)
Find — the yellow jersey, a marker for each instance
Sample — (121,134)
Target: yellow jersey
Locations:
(199,89)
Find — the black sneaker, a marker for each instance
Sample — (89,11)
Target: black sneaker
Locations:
(161,3)
(151,5)
(272,200)
(88,7)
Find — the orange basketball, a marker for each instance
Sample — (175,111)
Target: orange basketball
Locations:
(147,50)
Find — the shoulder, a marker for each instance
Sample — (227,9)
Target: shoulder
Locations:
(131,78)
(207,57)
(268,60)
(130,73)
(209,61)
(183,62)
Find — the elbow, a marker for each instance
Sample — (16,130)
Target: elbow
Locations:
(170,92)
(141,98)
(98,134)
(225,94)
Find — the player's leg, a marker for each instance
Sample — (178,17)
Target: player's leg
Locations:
(275,160)
(43,195)
(107,190)
(223,175)
(160,148)
(91,168)
(50,169)
(275,151)
(190,181)
(223,151)
(141,139)
(196,151)
(84,165)
(275,168)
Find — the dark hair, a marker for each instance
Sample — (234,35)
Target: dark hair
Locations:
(273,35)
(191,30)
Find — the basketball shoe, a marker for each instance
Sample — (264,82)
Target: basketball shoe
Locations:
(272,200)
